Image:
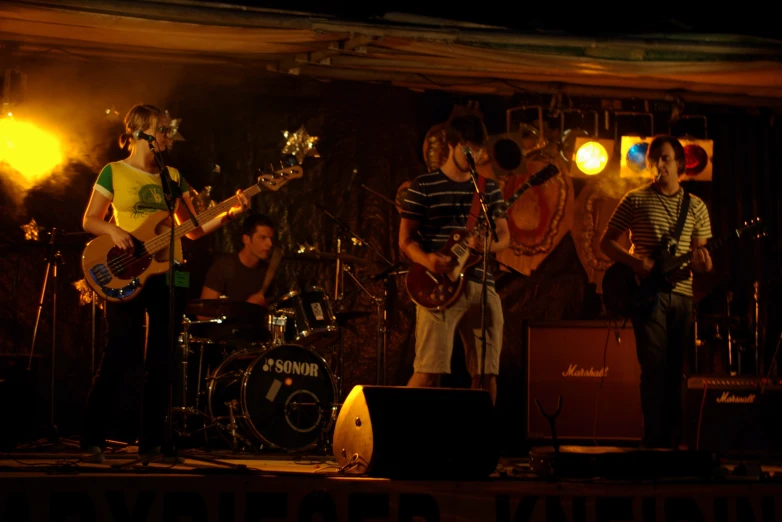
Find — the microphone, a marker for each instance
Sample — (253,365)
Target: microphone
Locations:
(141,135)
(470,159)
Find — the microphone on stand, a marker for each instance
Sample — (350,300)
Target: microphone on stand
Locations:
(470,159)
(141,135)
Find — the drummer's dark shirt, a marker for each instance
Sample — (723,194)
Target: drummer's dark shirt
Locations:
(231,278)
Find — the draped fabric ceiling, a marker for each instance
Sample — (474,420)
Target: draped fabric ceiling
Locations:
(403,50)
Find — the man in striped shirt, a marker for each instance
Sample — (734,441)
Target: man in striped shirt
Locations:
(650,214)
(436,205)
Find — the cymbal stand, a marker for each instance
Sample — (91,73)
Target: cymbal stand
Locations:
(731,368)
(380,351)
(338,294)
(755,296)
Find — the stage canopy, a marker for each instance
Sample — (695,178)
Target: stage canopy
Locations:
(403,50)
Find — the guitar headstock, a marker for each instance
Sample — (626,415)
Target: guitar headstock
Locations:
(280,177)
(543,175)
(755,227)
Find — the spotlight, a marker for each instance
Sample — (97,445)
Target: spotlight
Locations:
(506,152)
(591,156)
(697,157)
(632,163)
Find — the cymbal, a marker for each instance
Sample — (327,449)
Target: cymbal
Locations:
(233,310)
(331,256)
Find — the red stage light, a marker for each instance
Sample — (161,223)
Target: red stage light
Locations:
(696,159)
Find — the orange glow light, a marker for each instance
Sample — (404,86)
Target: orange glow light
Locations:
(34,153)
(591,158)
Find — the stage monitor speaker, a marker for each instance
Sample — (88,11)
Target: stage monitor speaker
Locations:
(733,414)
(566,358)
(417,433)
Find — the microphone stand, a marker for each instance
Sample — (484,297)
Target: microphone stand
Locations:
(484,283)
(172,193)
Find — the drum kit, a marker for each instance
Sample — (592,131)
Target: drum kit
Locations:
(261,380)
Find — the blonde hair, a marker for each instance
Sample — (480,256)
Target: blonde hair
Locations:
(140,117)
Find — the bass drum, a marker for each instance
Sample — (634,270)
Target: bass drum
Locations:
(282,397)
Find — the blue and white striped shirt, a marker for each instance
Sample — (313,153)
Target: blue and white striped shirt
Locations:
(442,206)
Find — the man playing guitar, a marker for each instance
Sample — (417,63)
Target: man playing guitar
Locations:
(664,332)
(437,204)
(134,188)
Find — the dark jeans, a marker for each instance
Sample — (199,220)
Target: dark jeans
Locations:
(121,377)
(662,338)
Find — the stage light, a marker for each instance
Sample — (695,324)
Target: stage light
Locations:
(697,156)
(591,156)
(632,163)
(506,153)
(697,153)
(28,149)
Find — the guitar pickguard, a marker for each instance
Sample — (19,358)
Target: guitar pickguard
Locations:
(462,254)
(101,275)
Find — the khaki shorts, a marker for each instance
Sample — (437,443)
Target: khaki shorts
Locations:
(434,333)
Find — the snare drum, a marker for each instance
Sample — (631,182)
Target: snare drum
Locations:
(309,320)
(282,397)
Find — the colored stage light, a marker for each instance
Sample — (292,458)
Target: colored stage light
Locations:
(632,162)
(591,158)
(697,158)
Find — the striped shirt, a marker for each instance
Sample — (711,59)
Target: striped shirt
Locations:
(442,206)
(651,216)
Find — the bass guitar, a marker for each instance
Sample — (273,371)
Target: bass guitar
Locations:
(118,276)
(437,292)
(625,294)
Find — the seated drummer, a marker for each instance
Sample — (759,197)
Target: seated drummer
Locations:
(246,275)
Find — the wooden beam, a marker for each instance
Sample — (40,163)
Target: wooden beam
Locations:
(356,44)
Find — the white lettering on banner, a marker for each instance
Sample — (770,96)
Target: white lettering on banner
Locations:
(574,371)
(730,398)
(291,367)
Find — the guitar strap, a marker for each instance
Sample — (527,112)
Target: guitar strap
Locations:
(682,216)
(475,210)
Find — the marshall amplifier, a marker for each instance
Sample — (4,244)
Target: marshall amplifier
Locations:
(733,414)
(595,370)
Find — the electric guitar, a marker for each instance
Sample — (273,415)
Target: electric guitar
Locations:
(119,276)
(439,291)
(624,293)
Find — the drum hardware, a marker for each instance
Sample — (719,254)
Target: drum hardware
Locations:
(338,294)
(185,338)
(308,317)
(282,397)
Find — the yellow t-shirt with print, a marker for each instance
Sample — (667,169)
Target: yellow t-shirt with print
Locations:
(134,193)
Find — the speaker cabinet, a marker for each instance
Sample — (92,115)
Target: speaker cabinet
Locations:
(733,414)
(595,369)
(400,432)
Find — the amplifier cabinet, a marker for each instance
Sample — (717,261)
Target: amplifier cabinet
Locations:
(573,359)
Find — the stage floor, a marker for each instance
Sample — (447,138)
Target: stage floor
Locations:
(57,485)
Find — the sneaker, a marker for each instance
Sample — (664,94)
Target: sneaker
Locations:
(94,455)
